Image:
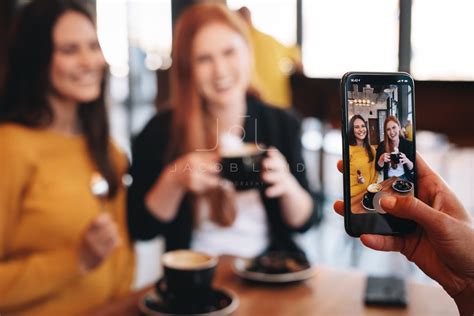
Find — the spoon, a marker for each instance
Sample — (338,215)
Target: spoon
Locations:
(99,188)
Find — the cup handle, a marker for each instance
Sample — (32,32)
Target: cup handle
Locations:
(162,289)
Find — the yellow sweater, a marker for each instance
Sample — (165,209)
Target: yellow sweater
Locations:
(270,57)
(358,160)
(45,205)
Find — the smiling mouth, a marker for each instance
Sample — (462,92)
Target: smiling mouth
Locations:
(87,79)
(223,84)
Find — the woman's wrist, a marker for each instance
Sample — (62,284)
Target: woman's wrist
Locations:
(293,188)
(171,176)
(169,182)
(297,204)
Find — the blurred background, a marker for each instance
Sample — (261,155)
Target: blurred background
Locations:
(430,39)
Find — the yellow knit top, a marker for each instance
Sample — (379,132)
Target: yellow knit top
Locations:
(45,205)
(359,160)
(270,57)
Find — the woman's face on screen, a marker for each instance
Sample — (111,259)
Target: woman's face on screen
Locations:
(392,130)
(360,129)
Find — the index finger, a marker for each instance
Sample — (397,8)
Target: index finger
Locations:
(208,156)
(272,151)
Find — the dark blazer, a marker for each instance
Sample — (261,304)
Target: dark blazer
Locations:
(405,147)
(263,124)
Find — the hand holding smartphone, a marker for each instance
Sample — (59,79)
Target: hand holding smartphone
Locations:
(378,132)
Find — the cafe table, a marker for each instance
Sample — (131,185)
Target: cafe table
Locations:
(330,291)
(356,201)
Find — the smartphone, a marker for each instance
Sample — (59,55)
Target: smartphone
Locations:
(385,291)
(379,149)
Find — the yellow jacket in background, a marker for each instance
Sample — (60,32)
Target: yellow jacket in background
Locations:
(274,63)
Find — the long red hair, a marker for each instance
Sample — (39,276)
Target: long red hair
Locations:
(193,125)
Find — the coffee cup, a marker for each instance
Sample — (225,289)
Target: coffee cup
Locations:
(394,159)
(187,277)
(243,166)
(372,189)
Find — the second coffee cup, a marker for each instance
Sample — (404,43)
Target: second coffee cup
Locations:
(188,276)
(372,189)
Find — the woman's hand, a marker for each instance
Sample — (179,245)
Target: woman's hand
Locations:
(384,158)
(99,240)
(276,173)
(443,244)
(296,203)
(404,160)
(197,172)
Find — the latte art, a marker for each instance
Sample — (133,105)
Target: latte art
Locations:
(186,259)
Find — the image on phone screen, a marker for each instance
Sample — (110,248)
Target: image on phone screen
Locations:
(379,147)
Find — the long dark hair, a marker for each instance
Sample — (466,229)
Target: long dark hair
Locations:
(25,84)
(352,139)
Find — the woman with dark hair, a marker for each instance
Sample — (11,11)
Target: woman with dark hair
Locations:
(177,191)
(394,143)
(63,244)
(361,156)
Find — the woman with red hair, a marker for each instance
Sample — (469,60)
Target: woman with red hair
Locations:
(394,143)
(177,190)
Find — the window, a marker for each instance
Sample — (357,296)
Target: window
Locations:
(150,30)
(442,40)
(274,17)
(347,35)
(141,23)
(112,32)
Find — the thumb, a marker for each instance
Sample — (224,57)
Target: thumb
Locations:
(409,207)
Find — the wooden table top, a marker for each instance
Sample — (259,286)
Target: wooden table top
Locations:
(356,201)
(329,292)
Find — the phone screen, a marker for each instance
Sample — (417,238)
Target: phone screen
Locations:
(379,149)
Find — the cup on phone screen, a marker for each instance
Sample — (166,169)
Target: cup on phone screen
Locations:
(394,159)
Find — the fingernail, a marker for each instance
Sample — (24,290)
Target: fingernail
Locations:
(389,202)
(371,241)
